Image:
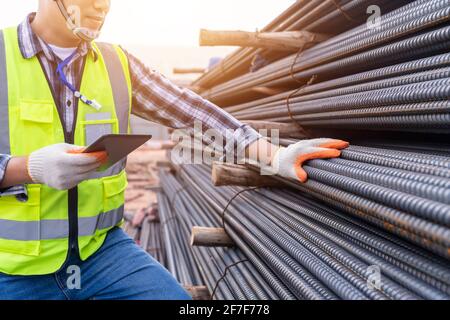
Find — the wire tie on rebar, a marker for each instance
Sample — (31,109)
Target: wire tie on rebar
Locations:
(288,102)
(297,56)
(231,200)
(303,85)
(345,14)
(224,275)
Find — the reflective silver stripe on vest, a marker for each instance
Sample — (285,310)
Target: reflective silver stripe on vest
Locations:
(121,96)
(57,229)
(113,171)
(5,147)
(88,226)
(119,84)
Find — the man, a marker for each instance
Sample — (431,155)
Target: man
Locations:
(59,217)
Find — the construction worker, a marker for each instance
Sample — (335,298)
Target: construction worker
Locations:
(59,217)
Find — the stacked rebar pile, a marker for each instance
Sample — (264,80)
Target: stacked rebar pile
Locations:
(203,265)
(403,100)
(406,193)
(313,251)
(150,239)
(393,77)
(372,224)
(330,17)
(298,248)
(179,259)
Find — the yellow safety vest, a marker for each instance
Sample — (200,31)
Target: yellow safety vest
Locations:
(35,235)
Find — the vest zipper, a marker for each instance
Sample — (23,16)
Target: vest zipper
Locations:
(73,220)
(72,193)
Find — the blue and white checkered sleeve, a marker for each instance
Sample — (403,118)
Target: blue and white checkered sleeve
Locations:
(18,190)
(157,99)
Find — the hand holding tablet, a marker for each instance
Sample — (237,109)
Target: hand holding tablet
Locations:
(116,147)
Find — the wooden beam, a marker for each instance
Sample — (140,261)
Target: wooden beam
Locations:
(198,292)
(188,70)
(225,174)
(288,40)
(210,237)
(286,130)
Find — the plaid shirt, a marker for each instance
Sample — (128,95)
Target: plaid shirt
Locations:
(154,97)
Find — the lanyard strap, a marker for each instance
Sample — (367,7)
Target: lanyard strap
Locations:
(77,94)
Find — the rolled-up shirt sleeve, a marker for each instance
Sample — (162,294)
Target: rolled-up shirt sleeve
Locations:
(18,190)
(157,99)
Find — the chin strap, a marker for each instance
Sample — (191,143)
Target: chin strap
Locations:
(84,34)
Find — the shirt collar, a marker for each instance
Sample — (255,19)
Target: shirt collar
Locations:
(31,45)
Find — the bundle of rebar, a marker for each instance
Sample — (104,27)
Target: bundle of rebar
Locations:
(392,77)
(150,239)
(299,248)
(179,259)
(329,17)
(202,265)
(372,224)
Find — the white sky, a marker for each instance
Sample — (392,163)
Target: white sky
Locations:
(166,22)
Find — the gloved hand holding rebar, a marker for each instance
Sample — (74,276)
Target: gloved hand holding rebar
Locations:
(287,162)
(63,166)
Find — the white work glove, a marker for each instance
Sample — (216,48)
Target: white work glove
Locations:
(63,166)
(287,162)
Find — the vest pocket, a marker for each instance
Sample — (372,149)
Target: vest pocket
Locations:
(97,125)
(114,191)
(20,223)
(36,120)
(36,111)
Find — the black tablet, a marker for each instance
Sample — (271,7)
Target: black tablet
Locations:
(118,146)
